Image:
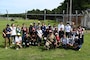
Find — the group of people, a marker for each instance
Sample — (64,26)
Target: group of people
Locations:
(66,36)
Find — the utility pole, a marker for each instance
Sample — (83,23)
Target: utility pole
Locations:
(76,17)
(25,14)
(87,20)
(63,16)
(70,11)
(67,11)
(7,14)
(44,15)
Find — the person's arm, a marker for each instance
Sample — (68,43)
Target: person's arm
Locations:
(4,34)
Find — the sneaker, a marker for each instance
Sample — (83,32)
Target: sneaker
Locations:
(6,48)
(17,48)
(13,43)
(79,49)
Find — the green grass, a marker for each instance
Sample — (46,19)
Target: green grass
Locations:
(36,53)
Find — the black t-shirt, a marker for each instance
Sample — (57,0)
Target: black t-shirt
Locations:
(33,34)
(24,30)
(46,34)
(30,29)
(61,33)
(77,41)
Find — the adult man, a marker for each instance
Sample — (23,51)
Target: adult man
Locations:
(68,30)
(61,25)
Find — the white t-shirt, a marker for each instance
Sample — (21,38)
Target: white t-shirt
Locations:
(13,32)
(60,26)
(68,28)
(39,33)
(18,39)
(64,40)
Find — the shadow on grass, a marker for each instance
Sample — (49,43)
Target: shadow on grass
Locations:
(2,46)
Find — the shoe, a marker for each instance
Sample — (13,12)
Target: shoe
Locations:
(6,48)
(79,49)
(13,43)
(17,48)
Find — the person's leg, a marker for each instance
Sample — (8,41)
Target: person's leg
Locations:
(12,38)
(10,41)
(66,34)
(20,45)
(17,46)
(82,39)
(6,41)
(69,34)
(39,41)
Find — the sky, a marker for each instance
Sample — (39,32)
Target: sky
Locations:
(19,6)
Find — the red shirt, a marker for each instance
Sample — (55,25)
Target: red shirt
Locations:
(57,38)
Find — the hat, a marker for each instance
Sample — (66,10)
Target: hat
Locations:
(38,21)
(31,24)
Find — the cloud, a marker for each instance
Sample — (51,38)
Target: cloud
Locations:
(21,5)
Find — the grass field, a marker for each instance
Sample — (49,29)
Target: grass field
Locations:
(36,53)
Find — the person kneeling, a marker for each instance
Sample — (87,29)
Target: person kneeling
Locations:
(18,40)
(51,41)
(27,40)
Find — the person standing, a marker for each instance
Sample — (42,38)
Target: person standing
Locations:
(61,25)
(81,34)
(61,33)
(13,33)
(39,36)
(43,27)
(24,32)
(68,30)
(7,35)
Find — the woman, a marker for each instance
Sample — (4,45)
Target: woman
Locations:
(7,35)
(18,40)
(13,32)
(39,35)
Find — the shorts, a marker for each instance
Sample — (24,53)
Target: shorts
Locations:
(8,35)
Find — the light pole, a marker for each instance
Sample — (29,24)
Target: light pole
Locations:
(70,11)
